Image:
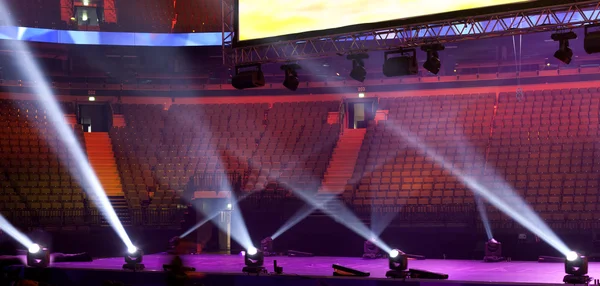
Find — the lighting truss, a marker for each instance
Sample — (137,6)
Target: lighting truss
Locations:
(227,16)
(552,18)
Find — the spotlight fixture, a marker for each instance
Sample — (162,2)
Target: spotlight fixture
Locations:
(576,267)
(254,260)
(493,251)
(291,76)
(38,256)
(398,264)
(267,246)
(400,63)
(564,53)
(433,63)
(371,251)
(248,76)
(133,259)
(358,73)
(591,40)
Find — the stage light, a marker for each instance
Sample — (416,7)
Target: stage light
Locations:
(433,63)
(394,253)
(400,63)
(133,259)
(91,98)
(229,206)
(132,249)
(398,264)
(87,177)
(38,256)
(358,73)
(254,260)
(502,197)
(34,248)
(291,76)
(572,256)
(372,251)
(564,53)
(576,267)
(248,76)
(493,251)
(361,95)
(591,40)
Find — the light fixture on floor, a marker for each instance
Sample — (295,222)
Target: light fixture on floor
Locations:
(254,260)
(38,256)
(398,264)
(576,267)
(291,76)
(398,267)
(493,251)
(133,259)
(358,73)
(564,53)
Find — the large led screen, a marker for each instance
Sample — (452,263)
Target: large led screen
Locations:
(260,19)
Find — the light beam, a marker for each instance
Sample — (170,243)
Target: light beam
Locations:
(88,179)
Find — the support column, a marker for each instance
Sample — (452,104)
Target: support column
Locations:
(225,234)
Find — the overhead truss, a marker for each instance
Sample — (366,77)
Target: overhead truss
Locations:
(559,17)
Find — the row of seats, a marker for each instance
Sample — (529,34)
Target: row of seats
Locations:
(542,146)
(36,173)
(162,150)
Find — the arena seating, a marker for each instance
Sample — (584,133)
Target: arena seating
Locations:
(545,146)
(391,172)
(36,178)
(135,147)
(145,16)
(34,13)
(160,151)
(198,16)
(296,147)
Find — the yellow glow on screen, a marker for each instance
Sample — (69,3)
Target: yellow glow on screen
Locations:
(271,18)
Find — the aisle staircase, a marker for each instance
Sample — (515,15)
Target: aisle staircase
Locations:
(100,154)
(342,162)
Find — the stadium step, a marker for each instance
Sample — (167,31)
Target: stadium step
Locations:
(119,204)
(342,162)
(100,154)
(331,204)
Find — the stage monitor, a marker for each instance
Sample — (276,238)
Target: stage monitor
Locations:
(261,21)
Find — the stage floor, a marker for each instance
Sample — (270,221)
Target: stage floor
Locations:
(458,270)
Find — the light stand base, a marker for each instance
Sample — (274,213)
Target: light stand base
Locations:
(397,274)
(255,270)
(134,267)
(576,279)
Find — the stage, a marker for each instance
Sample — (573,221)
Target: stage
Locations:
(226,270)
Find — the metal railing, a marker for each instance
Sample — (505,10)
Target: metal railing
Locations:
(147,217)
